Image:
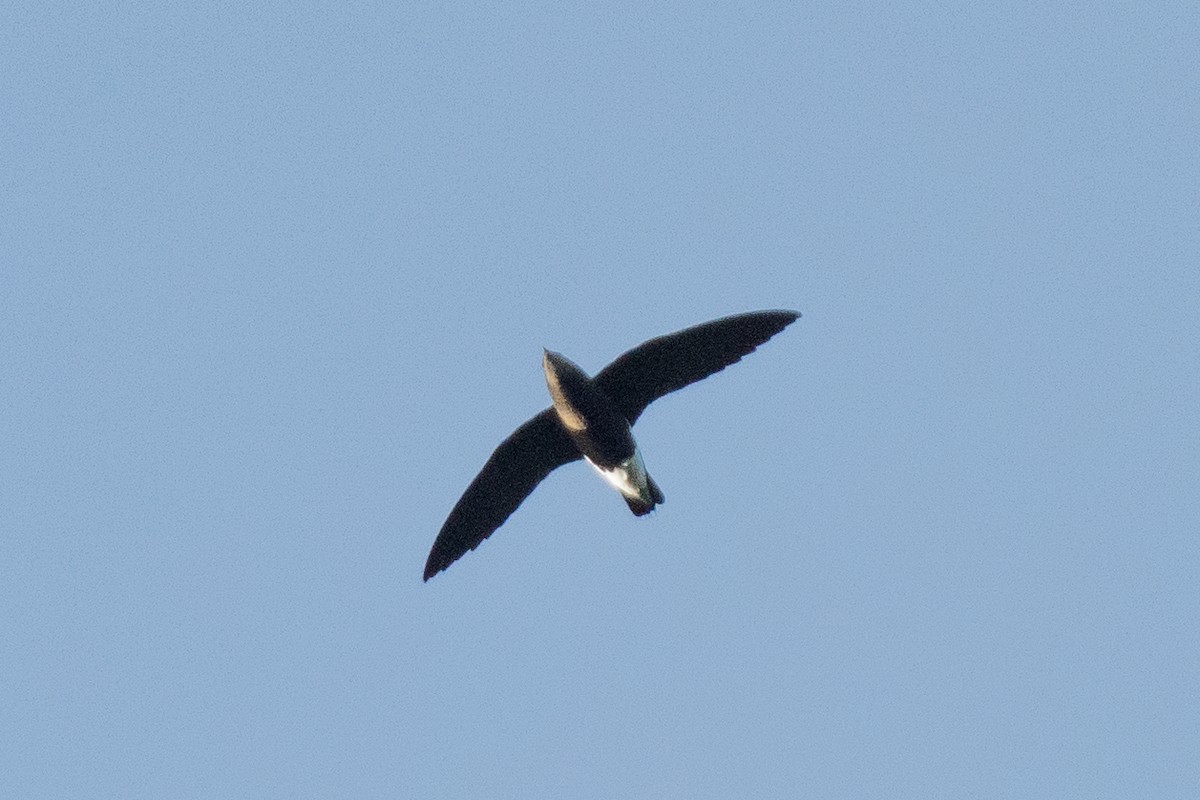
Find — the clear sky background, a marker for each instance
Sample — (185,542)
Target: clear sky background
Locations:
(275,279)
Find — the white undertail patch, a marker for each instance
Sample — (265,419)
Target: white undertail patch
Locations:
(628,477)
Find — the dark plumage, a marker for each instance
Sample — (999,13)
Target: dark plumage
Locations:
(591,417)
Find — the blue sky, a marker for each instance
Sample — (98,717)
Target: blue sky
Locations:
(274,281)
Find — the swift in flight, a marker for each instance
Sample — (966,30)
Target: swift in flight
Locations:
(591,418)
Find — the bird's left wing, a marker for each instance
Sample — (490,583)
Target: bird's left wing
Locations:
(515,469)
(666,363)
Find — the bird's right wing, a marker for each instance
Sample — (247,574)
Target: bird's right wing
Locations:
(515,469)
(662,365)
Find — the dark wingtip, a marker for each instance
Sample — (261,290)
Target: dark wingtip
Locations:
(434,565)
(778,316)
(786,317)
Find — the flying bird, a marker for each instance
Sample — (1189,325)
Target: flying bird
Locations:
(591,418)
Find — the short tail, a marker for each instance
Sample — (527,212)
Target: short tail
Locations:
(640,507)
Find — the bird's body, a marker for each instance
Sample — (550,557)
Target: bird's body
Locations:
(600,431)
(592,418)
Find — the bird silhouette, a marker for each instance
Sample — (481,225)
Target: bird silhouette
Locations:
(591,418)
